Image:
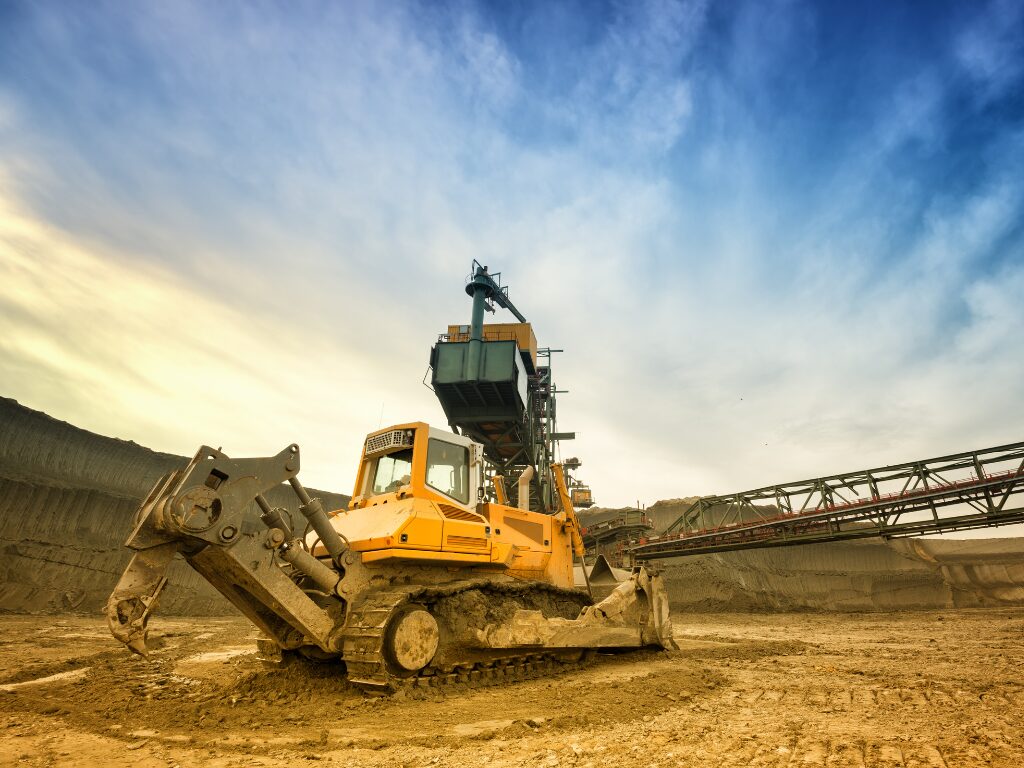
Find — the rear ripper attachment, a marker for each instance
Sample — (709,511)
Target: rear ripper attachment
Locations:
(268,574)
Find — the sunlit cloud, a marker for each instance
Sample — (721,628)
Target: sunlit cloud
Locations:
(773,241)
(129,349)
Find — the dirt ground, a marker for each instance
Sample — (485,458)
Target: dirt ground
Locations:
(913,689)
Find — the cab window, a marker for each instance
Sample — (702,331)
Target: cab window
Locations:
(393,471)
(448,469)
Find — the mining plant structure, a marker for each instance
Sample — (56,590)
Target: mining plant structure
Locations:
(454,560)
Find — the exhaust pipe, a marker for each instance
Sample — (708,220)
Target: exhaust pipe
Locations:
(524,489)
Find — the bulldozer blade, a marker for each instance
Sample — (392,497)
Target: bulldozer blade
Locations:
(659,611)
(634,615)
(603,578)
(136,593)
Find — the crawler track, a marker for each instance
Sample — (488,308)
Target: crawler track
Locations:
(363,642)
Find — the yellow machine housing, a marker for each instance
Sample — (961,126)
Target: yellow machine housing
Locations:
(419,498)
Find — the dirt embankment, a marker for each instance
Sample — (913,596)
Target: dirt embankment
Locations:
(853,576)
(664,513)
(67,498)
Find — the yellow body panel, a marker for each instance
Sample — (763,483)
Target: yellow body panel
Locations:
(437,529)
(374,527)
(541,544)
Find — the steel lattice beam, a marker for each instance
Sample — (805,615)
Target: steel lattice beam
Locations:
(948,493)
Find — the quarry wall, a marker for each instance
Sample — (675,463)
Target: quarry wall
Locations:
(852,576)
(67,500)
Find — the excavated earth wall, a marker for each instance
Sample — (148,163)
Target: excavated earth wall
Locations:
(67,499)
(857,575)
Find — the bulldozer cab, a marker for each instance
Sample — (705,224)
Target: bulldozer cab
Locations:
(421,461)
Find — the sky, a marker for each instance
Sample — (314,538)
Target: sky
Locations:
(775,239)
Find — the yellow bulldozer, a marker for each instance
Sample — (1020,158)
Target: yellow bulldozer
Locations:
(431,574)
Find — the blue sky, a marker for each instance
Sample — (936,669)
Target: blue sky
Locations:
(775,239)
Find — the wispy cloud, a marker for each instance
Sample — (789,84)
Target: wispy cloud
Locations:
(773,240)
(129,348)
(991,47)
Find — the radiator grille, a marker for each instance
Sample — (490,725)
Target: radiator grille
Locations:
(396,438)
(467,542)
(454,513)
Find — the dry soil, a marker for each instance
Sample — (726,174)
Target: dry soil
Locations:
(938,688)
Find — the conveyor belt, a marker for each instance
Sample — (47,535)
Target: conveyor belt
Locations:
(950,493)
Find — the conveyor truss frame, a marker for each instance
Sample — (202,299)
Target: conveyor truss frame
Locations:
(958,492)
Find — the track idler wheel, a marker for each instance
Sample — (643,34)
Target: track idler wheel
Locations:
(410,640)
